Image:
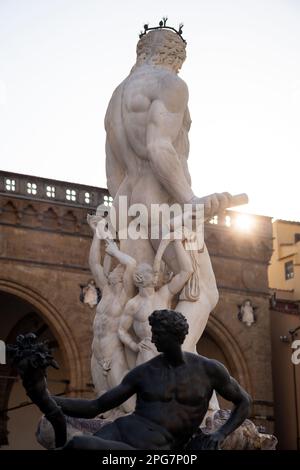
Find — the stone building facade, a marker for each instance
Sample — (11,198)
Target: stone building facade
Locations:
(284,280)
(44,249)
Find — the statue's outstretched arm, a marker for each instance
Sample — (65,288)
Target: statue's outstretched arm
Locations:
(95,262)
(80,408)
(129,262)
(165,120)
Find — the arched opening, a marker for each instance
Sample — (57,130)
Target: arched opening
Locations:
(18,420)
(218,343)
(59,326)
(208,347)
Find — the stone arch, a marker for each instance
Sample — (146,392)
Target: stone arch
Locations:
(29,215)
(50,219)
(9,213)
(70,222)
(56,321)
(231,350)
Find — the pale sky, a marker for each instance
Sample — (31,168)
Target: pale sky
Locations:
(60,61)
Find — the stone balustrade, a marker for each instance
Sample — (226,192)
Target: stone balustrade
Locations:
(52,191)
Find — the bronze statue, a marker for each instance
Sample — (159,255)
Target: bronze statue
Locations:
(173,391)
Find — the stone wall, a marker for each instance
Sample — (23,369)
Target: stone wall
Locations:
(44,249)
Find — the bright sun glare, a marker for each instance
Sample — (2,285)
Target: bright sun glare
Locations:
(244,222)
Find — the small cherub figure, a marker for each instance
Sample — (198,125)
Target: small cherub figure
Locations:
(138,309)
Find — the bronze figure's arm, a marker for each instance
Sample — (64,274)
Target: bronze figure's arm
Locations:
(81,408)
(229,389)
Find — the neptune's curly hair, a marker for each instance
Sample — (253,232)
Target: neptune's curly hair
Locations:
(170,322)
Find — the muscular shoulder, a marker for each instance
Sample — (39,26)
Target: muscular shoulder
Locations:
(173,83)
(163,86)
(173,92)
(210,366)
(194,359)
(194,362)
(215,369)
(170,102)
